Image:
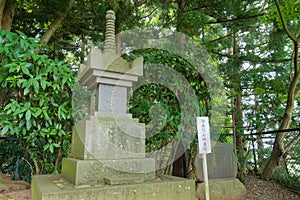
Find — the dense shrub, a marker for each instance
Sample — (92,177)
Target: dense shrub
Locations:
(36,101)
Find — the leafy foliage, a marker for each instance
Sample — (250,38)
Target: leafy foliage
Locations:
(37,105)
(152,98)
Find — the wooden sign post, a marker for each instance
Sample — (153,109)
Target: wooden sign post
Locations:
(204,147)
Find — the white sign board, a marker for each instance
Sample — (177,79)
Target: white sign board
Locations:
(203,135)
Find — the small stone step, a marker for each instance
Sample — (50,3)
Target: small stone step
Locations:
(120,180)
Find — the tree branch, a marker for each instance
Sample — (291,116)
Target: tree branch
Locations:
(220,38)
(250,59)
(283,22)
(57,22)
(236,19)
(151,12)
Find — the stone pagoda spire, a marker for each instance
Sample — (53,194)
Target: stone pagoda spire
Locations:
(110,40)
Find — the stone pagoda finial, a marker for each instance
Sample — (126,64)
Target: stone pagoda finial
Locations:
(110,42)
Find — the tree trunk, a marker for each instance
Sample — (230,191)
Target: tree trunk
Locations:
(259,140)
(7,9)
(57,22)
(237,112)
(260,152)
(278,147)
(2,6)
(179,165)
(238,122)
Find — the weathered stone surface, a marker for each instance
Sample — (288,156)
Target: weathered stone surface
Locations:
(120,180)
(81,172)
(101,68)
(53,187)
(105,136)
(222,189)
(221,163)
(110,45)
(2,197)
(112,99)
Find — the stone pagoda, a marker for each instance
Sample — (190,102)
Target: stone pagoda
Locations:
(108,146)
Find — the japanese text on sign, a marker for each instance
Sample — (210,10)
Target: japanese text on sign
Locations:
(203,135)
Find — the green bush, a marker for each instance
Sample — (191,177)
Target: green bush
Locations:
(36,100)
(160,104)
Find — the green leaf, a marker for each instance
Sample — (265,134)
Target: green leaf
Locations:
(38,112)
(46,147)
(21,123)
(21,82)
(43,83)
(46,115)
(28,115)
(41,102)
(56,145)
(35,56)
(25,69)
(51,148)
(24,131)
(13,67)
(36,86)
(27,90)
(28,124)
(4,130)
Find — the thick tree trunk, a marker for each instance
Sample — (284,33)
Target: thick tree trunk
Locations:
(7,9)
(278,147)
(55,24)
(2,6)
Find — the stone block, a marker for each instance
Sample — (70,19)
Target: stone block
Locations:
(108,137)
(120,180)
(222,189)
(112,99)
(92,172)
(54,187)
(109,69)
(221,163)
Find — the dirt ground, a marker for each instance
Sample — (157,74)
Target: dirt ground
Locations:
(257,189)
(267,190)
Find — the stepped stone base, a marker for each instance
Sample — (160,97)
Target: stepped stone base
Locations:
(81,172)
(54,187)
(108,136)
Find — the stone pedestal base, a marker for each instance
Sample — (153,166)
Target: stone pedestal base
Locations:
(82,172)
(222,189)
(54,187)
